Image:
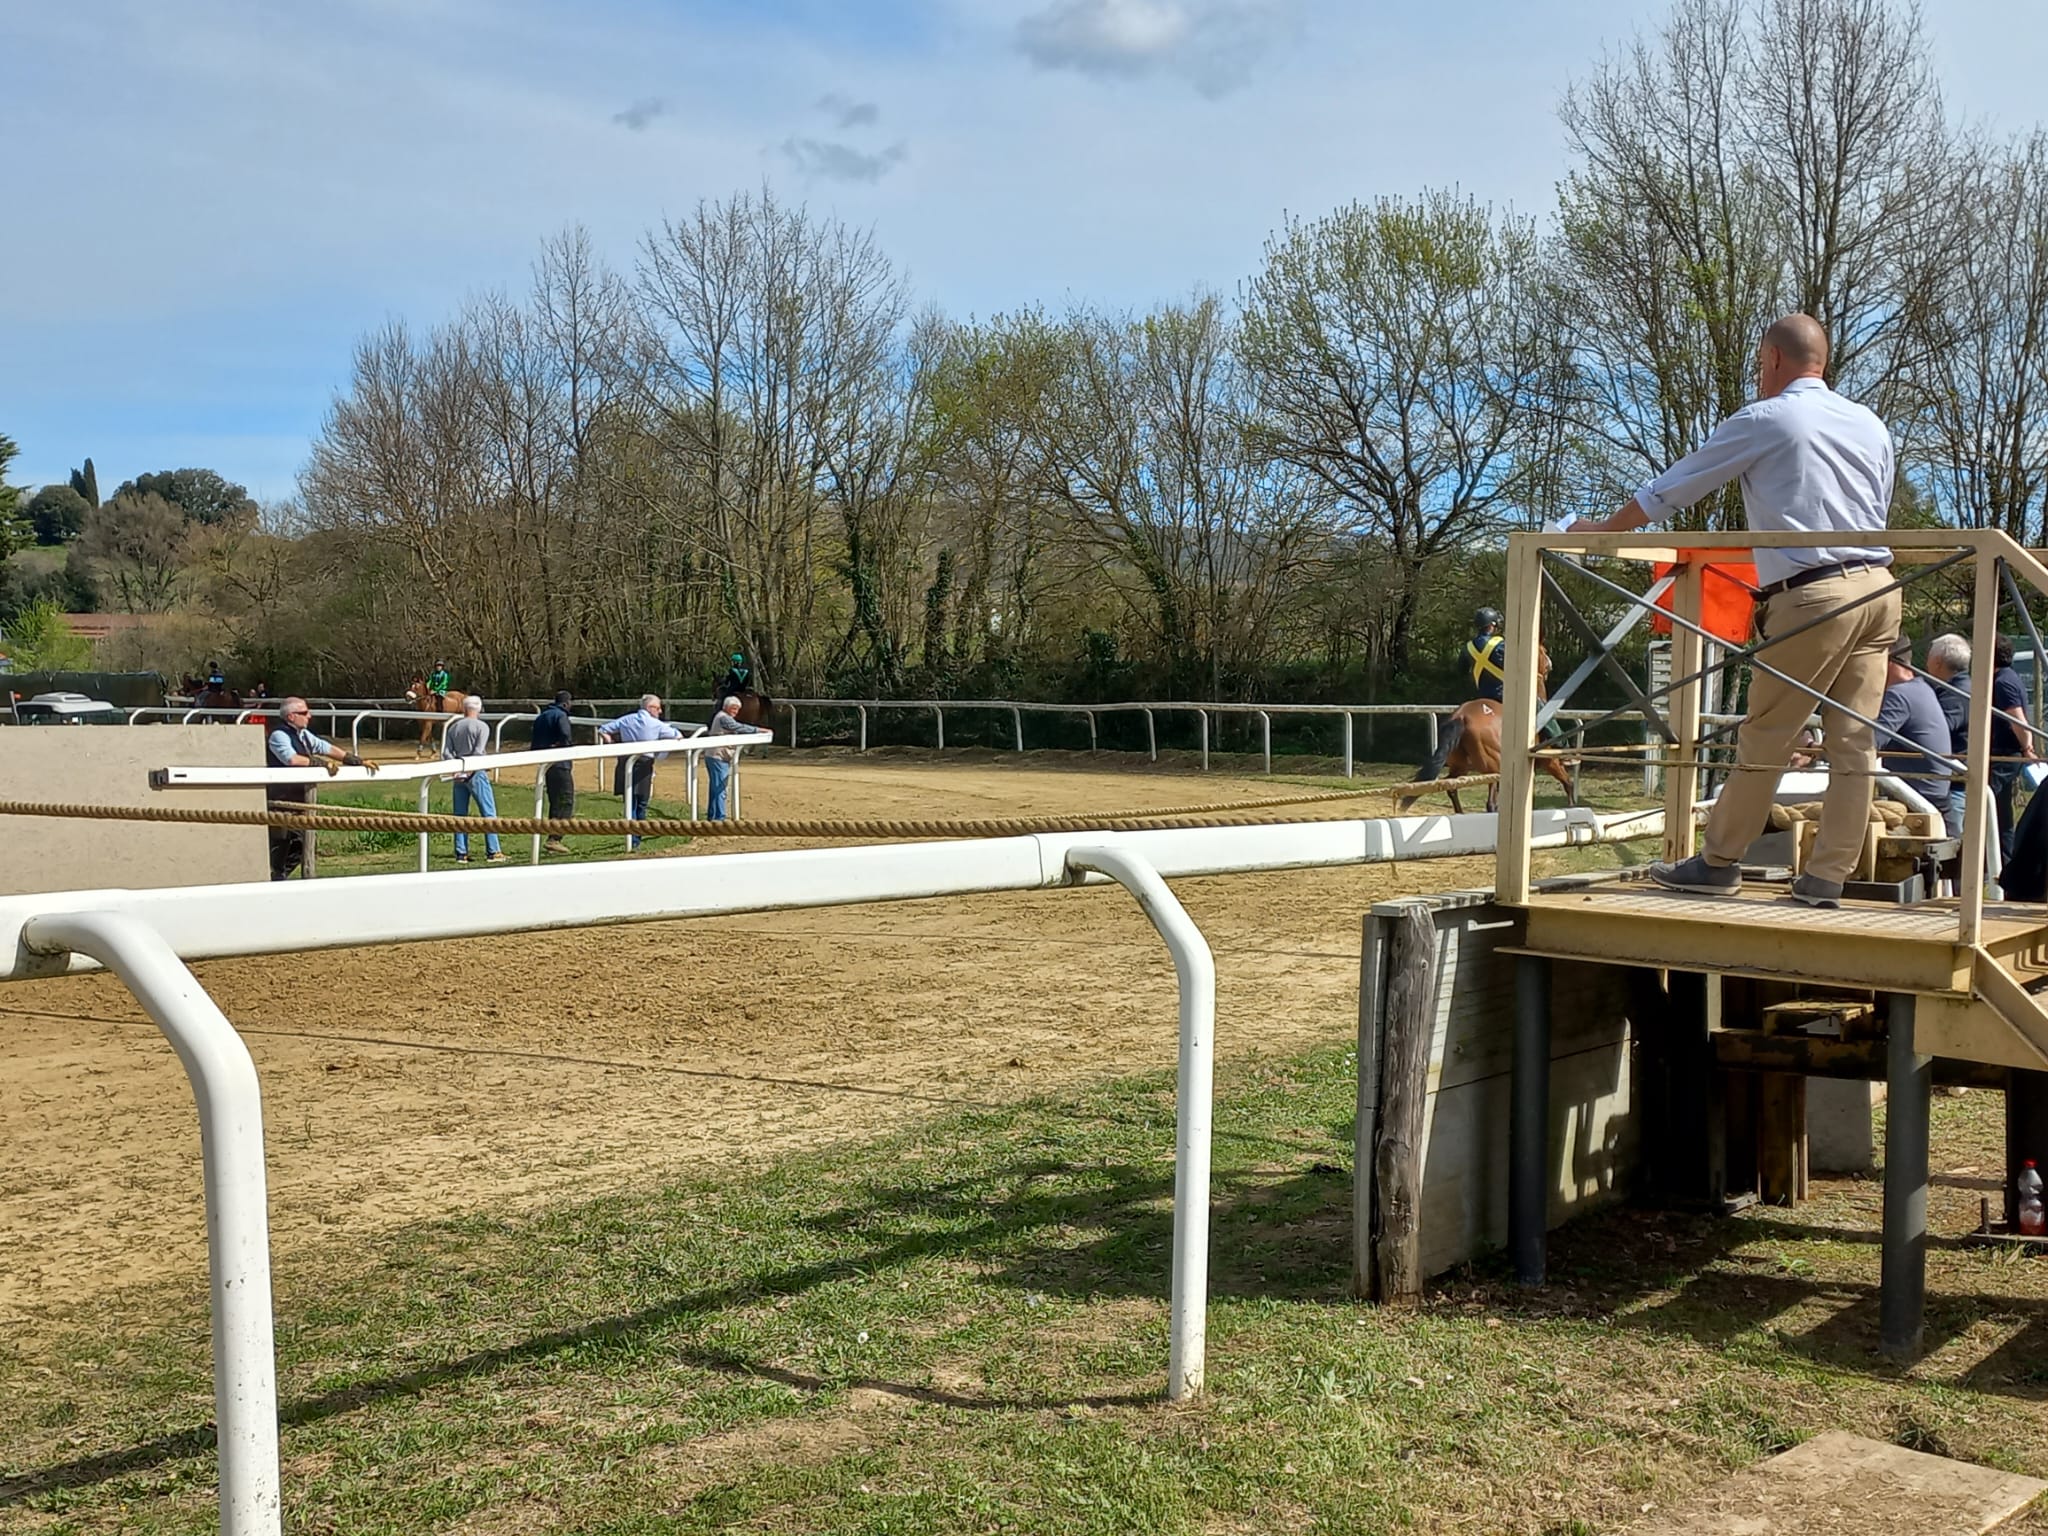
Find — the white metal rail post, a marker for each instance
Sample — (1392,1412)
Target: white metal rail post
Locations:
(230,1104)
(1194,1106)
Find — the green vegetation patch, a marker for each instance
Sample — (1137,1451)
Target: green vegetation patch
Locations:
(963,1328)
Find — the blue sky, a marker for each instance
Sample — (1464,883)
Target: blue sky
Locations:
(210,200)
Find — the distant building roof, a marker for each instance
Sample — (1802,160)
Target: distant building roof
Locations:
(99,626)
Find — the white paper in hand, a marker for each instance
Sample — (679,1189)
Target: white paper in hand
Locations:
(1559,525)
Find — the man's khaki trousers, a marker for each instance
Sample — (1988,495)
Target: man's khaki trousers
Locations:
(1842,656)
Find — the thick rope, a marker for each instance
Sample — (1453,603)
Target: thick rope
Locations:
(358,819)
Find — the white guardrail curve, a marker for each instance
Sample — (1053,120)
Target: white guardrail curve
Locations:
(147,938)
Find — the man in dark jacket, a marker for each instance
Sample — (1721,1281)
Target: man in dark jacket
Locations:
(551,730)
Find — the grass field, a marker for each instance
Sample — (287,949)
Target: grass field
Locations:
(962,1329)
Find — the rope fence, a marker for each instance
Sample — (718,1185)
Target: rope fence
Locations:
(1238,813)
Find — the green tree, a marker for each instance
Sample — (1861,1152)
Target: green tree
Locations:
(138,546)
(203,495)
(86,482)
(38,640)
(14,528)
(57,513)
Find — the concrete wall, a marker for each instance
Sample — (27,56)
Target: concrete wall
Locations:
(109,765)
(1593,1120)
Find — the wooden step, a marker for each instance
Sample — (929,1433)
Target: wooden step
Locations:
(1838,1484)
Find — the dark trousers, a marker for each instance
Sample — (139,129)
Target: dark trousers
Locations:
(643,788)
(561,784)
(2004,777)
(287,852)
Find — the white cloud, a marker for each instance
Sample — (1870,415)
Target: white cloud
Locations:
(834,161)
(848,113)
(1211,43)
(641,113)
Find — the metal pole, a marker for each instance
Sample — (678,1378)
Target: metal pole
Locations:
(1347,743)
(1017,720)
(1266,738)
(1205,738)
(1151,738)
(1194,1099)
(1091,728)
(626,784)
(939,715)
(1529,1121)
(230,1101)
(1429,719)
(792,732)
(540,779)
(312,863)
(1902,1305)
(425,786)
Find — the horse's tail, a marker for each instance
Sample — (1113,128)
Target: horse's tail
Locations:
(1447,741)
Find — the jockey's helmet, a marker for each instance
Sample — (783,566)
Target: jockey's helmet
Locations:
(1486,618)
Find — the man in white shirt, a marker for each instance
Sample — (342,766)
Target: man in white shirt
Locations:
(1809,461)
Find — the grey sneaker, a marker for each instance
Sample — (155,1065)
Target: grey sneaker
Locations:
(1697,877)
(1816,892)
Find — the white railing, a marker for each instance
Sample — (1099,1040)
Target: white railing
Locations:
(425,773)
(1016,709)
(146,937)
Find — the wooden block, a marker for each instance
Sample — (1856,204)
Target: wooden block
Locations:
(1843,1485)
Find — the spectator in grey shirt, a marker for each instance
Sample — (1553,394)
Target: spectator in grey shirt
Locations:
(1911,709)
(470,737)
(718,762)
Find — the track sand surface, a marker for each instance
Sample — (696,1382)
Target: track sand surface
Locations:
(411,1081)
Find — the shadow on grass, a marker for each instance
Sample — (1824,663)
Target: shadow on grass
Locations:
(1271,1235)
(1718,1295)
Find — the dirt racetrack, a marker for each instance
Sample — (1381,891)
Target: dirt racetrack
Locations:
(419,1080)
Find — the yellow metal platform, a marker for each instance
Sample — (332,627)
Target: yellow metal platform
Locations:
(1975,999)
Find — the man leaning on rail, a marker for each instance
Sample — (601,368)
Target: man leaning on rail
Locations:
(291,744)
(1810,461)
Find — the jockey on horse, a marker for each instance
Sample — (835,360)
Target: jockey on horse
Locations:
(1485,652)
(738,679)
(439,686)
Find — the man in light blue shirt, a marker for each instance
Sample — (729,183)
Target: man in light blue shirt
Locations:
(643,724)
(1809,462)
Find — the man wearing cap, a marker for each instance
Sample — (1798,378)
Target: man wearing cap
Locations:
(1912,710)
(1809,461)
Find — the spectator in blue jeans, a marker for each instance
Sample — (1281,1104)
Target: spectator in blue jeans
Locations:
(470,737)
(718,762)
(644,724)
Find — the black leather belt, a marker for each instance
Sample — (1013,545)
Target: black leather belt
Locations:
(1821,573)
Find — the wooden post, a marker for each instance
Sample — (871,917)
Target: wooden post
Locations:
(1372,992)
(1518,720)
(1977,791)
(1404,1087)
(1681,785)
(1781,1138)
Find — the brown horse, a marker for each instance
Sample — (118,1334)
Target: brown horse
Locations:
(432,705)
(205,695)
(1470,744)
(754,707)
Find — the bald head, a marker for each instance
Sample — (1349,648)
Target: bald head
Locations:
(1795,347)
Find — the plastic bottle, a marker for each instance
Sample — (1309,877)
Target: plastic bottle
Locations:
(2033,1214)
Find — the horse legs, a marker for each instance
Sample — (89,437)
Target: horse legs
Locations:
(1457,806)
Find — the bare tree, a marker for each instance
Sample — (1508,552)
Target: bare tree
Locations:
(770,328)
(1400,352)
(1982,427)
